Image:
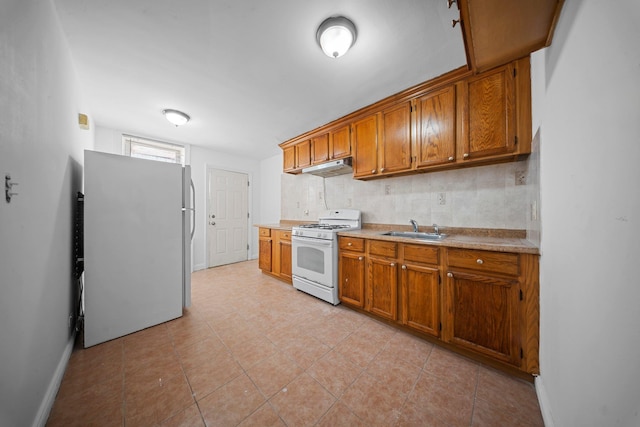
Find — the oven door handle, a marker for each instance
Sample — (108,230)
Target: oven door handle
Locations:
(312,241)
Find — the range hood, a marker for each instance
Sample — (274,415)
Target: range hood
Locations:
(332,168)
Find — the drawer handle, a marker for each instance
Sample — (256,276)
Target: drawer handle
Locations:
(392,264)
(449,274)
(465,155)
(451,159)
(382,170)
(404,267)
(360,258)
(349,244)
(480,261)
(373,171)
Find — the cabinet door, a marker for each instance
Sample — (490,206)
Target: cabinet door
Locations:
(289,159)
(488,114)
(285,259)
(340,142)
(264,257)
(303,154)
(436,128)
(483,315)
(351,273)
(382,288)
(420,298)
(365,146)
(320,148)
(395,144)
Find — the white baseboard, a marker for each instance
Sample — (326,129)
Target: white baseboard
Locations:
(545,404)
(197,267)
(50,396)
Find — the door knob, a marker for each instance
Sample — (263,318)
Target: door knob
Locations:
(212,216)
(212,223)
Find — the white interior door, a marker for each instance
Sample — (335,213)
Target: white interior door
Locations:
(227,217)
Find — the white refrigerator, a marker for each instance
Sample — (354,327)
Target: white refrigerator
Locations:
(137,244)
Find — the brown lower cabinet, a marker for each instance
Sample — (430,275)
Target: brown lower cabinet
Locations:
(481,303)
(275,253)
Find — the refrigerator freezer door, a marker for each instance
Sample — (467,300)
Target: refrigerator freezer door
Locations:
(133,245)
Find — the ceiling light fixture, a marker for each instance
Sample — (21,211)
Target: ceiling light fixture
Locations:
(175,117)
(336,35)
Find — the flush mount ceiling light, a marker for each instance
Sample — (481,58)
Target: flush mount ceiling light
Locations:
(336,35)
(178,118)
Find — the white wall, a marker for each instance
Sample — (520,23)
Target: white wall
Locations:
(270,194)
(41,146)
(590,293)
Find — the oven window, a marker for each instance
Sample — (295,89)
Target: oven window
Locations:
(311,259)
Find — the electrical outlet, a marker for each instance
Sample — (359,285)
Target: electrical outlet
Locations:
(387,189)
(521,177)
(442,198)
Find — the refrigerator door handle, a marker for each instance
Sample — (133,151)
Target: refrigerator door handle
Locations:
(193,223)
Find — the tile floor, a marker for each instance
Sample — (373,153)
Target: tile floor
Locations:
(253,351)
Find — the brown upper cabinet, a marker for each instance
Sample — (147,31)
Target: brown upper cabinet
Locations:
(454,121)
(487,107)
(340,142)
(320,148)
(496,32)
(435,140)
(296,157)
(364,133)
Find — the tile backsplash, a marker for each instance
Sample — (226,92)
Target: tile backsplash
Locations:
(475,197)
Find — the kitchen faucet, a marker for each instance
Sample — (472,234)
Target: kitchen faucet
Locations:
(436,228)
(415,225)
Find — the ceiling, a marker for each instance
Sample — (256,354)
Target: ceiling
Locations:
(249,73)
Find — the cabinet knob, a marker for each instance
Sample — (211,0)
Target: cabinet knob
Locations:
(480,261)
(404,267)
(360,258)
(349,244)
(382,170)
(393,264)
(373,171)
(451,159)
(449,274)
(465,155)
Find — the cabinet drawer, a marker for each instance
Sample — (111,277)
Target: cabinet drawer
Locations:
(265,232)
(495,262)
(351,244)
(385,249)
(285,234)
(421,254)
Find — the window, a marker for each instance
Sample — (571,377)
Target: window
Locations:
(153,150)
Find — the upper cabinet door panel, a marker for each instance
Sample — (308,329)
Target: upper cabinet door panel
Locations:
(365,146)
(489,114)
(320,148)
(303,154)
(436,128)
(395,147)
(340,142)
(289,159)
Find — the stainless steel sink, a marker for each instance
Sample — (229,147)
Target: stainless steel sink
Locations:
(415,235)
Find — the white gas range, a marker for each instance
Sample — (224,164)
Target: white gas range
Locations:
(315,253)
